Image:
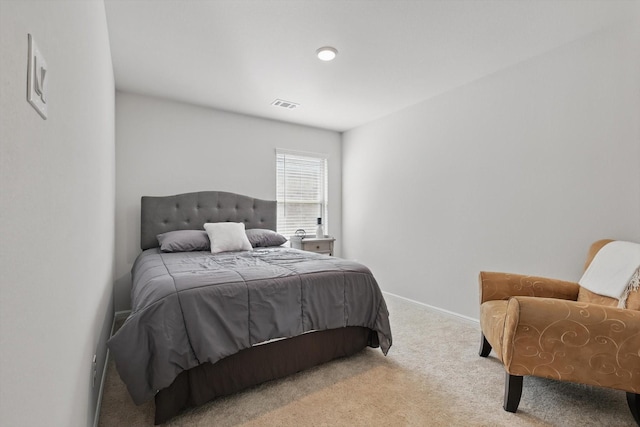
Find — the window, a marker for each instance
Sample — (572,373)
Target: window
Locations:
(301,187)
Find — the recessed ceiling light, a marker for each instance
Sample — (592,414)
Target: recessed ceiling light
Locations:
(327,53)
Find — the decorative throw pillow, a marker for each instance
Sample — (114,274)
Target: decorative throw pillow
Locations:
(262,238)
(227,236)
(184,241)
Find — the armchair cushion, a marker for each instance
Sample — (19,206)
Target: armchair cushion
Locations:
(573,341)
(633,300)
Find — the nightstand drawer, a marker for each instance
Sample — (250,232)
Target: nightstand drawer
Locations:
(322,247)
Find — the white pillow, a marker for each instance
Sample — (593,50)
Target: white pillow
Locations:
(227,236)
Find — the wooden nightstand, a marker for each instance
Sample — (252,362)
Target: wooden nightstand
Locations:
(319,245)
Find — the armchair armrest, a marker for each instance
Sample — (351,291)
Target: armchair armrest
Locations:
(573,341)
(501,286)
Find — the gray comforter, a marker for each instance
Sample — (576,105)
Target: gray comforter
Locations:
(195,307)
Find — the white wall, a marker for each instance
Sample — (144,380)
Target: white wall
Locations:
(165,148)
(518,171)
(57,218)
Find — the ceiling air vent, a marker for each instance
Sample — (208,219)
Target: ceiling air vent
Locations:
(285,104)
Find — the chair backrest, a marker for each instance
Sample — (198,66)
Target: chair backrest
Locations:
(585,295)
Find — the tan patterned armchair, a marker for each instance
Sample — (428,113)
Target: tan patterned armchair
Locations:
(557,329)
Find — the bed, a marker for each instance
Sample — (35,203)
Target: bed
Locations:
(205,325)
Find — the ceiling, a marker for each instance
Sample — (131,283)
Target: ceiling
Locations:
(240,55)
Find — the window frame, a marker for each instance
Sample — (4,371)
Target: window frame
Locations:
(323,201)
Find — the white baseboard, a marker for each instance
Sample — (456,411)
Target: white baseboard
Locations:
(451,313)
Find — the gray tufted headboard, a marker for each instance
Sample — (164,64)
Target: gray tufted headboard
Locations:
(190,211)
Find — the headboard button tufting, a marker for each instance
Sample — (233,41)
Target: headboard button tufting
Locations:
(188,212)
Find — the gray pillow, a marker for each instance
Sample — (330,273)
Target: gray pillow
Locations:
(184,241)
(261,238)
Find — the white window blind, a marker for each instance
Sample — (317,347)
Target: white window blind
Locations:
(301,185)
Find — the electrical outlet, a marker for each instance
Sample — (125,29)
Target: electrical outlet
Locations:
(94,371)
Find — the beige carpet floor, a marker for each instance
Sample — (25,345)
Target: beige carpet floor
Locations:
(432,376)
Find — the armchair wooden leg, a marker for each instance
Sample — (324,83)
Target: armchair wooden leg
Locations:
(633,399)
(485,347)
(512,392)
